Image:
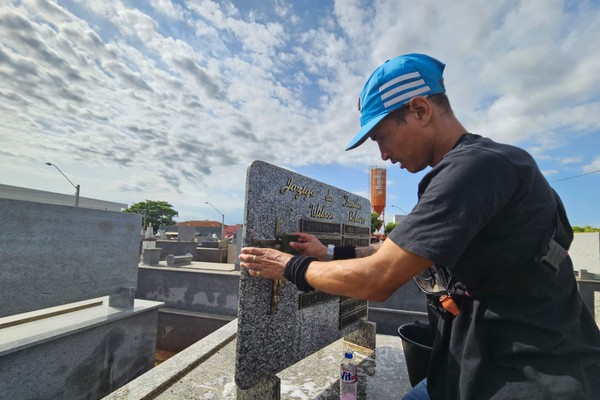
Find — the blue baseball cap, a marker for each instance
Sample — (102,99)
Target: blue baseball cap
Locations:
(392,85)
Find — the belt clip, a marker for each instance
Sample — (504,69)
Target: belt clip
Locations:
(449,304)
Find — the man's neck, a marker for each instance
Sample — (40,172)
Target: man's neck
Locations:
(449,132)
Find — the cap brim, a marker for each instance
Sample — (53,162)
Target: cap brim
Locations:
(363,134)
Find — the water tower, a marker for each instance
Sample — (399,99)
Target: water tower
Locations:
(378,179)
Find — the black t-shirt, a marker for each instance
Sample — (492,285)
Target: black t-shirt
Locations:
(484,212)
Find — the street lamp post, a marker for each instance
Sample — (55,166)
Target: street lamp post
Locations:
(400,209)
(75,186)
(222,220)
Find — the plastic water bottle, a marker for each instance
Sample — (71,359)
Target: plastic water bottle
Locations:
(348,377)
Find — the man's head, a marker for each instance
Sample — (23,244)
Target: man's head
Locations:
(393,85)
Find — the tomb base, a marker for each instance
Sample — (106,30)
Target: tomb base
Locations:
(82,350)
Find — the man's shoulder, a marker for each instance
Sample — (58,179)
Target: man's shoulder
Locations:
(482,147)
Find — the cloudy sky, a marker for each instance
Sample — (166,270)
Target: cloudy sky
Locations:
(173,99)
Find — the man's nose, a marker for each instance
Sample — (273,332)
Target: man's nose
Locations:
(385,155)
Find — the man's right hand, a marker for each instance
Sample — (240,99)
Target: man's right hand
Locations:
(309,245)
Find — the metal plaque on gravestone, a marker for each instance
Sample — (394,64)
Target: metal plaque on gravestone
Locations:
(277,324)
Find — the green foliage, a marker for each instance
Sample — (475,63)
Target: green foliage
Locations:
(586,229)
(389,227)
(154,213)
(375,222)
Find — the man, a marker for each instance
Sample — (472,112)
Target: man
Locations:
(512,325)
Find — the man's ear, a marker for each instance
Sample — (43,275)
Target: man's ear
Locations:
(421,107)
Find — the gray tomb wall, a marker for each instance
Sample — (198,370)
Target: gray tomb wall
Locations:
(211,255)
(197,302)
(271,336)
(585,252)
(69,324)
(46,247)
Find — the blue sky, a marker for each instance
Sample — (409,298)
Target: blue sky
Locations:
(172,100)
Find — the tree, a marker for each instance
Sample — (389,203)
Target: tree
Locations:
(389,227)
(155,213)
(375,222)
(585,229)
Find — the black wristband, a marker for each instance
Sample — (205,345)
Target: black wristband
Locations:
(344,252)
(296,268)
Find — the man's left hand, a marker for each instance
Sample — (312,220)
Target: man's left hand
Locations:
(264,262)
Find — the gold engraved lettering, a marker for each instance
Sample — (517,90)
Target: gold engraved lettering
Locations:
(351,204)
(317,211)
(354,217)
(300,191)
(329,196)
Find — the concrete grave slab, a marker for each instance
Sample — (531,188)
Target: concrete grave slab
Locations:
(174,261)
(175,247)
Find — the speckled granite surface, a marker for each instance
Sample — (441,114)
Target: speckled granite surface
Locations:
(273,335)
(381,375)
(206,370)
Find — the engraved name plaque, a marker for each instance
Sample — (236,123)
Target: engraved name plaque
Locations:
(356,230)
(313,298)
(310,226)
(356,242)
(351,310)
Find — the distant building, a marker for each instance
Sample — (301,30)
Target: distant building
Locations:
(398,218)
(40,196)
(205,230)
(229,230)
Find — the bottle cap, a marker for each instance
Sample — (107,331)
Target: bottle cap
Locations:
(348,354)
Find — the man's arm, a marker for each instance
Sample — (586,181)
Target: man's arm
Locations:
(309,245)
(375,277)
(367,250)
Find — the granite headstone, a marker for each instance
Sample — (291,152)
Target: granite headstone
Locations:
(186,233)
(277,324)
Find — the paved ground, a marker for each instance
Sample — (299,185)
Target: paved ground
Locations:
(381,375)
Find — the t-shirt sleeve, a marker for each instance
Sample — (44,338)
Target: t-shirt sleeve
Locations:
(456,200)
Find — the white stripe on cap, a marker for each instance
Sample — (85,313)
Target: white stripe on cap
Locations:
(406,95)
(402,88)
(400,78)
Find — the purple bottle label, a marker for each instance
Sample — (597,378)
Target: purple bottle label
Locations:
(348,377)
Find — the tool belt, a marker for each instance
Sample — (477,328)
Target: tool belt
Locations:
(445,293)
(442,292)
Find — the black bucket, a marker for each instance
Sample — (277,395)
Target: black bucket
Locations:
(417,341)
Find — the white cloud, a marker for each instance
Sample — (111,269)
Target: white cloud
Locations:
(593,166)
(549,172)
(186,111)
(168,8)
(570,160)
